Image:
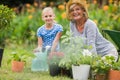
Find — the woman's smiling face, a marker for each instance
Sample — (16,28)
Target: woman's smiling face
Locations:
(76,12)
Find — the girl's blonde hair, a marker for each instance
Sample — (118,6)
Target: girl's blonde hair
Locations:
(47,9)
(81,3)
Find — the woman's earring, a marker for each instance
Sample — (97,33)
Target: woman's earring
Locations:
(84,14)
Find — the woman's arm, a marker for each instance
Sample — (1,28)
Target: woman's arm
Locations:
(91,36)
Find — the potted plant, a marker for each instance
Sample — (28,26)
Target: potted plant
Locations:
(18,60)
(72,48)
(66,65)
(53,61)
(6,16)
(81,67)
(101,67)
(77,63)
(114,72)
(74,55)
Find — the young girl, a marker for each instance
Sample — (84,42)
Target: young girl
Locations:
(49,33)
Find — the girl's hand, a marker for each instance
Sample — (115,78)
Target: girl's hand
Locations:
(50,55)
(58,54)
(38,49)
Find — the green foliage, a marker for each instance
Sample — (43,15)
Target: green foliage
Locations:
(55,57)
(105,19)
(68,60)
(54,60)
(116,65)
(20,55)
(63,21)
(75,59)
(73,48)
(86,59)
(6,16)
(26,27)
(102,65)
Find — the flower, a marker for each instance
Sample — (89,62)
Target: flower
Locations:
(31,10)
(28,5)
(30,16)
(95,1)
(44,4)
(86,52)
(105,8)
(61,7)
(63,15)
(52,4)
(110,1)
(35,4)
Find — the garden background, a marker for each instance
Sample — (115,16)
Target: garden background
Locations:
(27,19)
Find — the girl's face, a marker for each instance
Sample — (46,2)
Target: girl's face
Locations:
(76,12)
(48,17)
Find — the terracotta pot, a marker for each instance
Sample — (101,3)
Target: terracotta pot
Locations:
(114,75)
(17,66)
(100,77)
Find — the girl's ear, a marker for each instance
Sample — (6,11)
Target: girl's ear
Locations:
(43,18)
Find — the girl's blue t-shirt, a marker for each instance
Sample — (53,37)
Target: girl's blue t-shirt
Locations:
(48,36)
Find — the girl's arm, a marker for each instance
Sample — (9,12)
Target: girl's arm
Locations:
(56,40)
(39,42)
(39,48)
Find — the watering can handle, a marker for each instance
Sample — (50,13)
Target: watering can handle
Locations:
(47,48)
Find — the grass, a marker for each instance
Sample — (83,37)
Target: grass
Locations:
(7,74)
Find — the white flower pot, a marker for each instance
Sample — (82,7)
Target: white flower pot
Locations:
(81,72)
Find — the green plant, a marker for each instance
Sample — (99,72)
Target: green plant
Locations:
(74,50)
(20,55)
(6,16)
(116,65)
(75,59)
(86,59)
(55,58)
(67,61)
(102,66)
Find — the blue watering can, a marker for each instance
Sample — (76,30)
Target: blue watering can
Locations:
(39,63)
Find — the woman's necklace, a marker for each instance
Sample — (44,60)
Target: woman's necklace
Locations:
(80,27)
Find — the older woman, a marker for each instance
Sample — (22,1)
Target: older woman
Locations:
(81,25)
